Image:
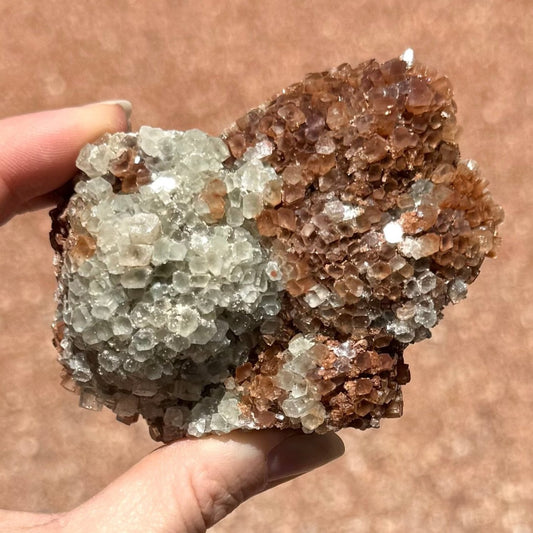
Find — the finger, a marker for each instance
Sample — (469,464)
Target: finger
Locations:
(38,151)
(46,200)
(12,521)
(190,485)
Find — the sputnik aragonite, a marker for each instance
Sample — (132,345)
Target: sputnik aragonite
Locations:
(272,276)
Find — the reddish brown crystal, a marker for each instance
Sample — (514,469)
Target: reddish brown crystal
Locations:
(350,144)
(214,196)
(84,247)
(130,171)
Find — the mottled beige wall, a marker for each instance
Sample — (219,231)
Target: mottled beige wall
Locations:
(460,459)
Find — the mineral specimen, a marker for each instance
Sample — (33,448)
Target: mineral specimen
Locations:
(273,276)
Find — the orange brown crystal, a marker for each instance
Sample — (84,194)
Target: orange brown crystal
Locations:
(354,141)
(84,248)
(130,171)
(214,196)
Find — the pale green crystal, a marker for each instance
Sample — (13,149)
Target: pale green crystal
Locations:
(165,284)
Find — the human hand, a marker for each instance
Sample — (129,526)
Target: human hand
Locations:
(186,486)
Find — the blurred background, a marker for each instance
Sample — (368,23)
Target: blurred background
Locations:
(460,459)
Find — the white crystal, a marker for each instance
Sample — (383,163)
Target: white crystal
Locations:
(136,278)
(94,159)
(144,228)
(81,318)
(163,184)
(109,360)
(155,142)
(300,345)
(345,349)
(166,249)
(144,340)
(316,296)
(408,56)
(427,282)
(457,290)
(169,290)
(393,232)
(403,331)
(97,189)
(314,417)
(198,264)
(229,410)
(252,205)
(297,407)
(122,326)
(134,255)
(184,321)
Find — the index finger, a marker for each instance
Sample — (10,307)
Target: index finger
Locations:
(38,151)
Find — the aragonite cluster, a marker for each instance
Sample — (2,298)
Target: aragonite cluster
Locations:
(273,276)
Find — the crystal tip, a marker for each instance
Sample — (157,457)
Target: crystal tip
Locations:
(408,56)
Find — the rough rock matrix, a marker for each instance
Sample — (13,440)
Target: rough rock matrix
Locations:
(272,276)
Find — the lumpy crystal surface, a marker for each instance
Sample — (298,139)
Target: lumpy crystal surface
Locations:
(272,276)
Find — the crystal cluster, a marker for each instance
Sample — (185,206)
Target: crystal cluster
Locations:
(272,276)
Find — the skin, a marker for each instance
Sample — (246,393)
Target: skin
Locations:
(186,486)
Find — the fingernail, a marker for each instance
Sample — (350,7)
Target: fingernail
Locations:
(124,104)
(302,453)
(126,107)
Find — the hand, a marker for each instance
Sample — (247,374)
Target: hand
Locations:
(186,486)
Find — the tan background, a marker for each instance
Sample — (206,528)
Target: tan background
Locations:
(461,457)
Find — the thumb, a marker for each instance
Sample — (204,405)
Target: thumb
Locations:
(190,485)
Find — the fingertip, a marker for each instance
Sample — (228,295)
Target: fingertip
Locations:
(336,444)
(104,117)
(126,105)
(302,453)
